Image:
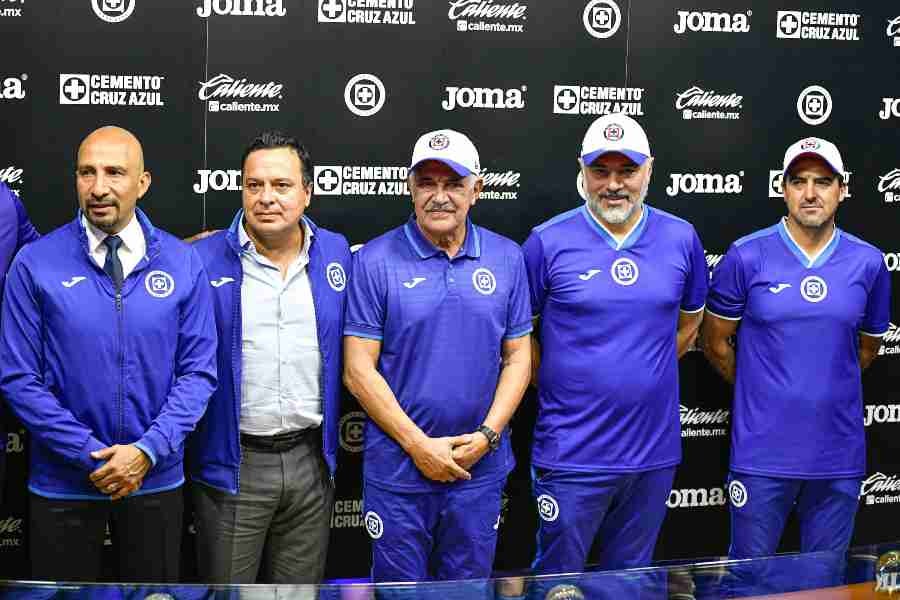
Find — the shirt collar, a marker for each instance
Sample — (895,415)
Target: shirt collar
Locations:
(808,261)
(425,249)
(132,235)
(630,238)
(247,244)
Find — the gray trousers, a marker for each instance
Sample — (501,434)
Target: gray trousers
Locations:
(275,530)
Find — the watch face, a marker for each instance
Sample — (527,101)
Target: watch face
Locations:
(492,436)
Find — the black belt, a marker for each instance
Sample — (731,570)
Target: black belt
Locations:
(280,442)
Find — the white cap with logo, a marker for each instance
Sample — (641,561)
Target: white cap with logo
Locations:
(615,133)
(813,146)
(450,147)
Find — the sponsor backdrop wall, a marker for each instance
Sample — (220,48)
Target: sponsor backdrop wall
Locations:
(721,87)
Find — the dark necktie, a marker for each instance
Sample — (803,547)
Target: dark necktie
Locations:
(113,266)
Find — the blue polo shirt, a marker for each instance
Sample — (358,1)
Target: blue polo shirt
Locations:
(608,381)
(441,323)
(798,409)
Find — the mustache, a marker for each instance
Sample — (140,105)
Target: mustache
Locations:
(434,207)
(615,196)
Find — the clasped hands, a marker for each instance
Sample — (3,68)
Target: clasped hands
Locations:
(448,458)
(124,470)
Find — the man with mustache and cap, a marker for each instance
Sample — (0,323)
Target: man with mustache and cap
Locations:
(809,304)
(107,355)
(437,351)
(619,289)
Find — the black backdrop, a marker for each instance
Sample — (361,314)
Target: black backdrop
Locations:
(721,88)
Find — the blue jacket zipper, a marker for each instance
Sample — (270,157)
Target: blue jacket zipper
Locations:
(121,401)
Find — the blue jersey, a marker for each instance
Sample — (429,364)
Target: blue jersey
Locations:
(798,408)
(608,381)
(15,229)
(441,323)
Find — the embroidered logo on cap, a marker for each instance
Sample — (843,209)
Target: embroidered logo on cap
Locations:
(614,132)
(439,142)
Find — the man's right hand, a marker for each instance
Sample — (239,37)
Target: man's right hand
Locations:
(434,458)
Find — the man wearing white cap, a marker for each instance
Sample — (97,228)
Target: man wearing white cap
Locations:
(437,351)
(619,288)
(809,303)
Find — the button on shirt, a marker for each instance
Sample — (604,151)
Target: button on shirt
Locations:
(280,384)
(131,252)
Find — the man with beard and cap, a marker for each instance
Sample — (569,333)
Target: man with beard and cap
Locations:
(808,303)
(107,355)
(619,289)
(437,351)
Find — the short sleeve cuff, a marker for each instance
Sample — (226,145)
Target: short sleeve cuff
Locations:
(722,314)
(870,334)
(517,332)
(692,311)
(363,331)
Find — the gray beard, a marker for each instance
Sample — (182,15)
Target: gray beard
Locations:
(613,216)
(619,215)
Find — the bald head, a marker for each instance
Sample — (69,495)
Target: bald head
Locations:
(116,136)
(110,177)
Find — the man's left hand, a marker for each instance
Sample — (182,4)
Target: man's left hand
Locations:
(466,455)
(123,472)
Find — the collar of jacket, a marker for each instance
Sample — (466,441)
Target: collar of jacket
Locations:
(151,235)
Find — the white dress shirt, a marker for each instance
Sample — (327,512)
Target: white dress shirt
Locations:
(281,364)
(132,250)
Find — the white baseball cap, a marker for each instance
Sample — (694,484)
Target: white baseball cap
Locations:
(615,133)
(813,146)
(450,147)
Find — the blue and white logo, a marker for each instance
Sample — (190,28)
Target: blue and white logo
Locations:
(75,280)
(336,276)
(547,507)
(217,283)
(439,142)
(813,289)
(159,284)
(625,271)
(484,281)
(738,493)
(374,525)
(413,282)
